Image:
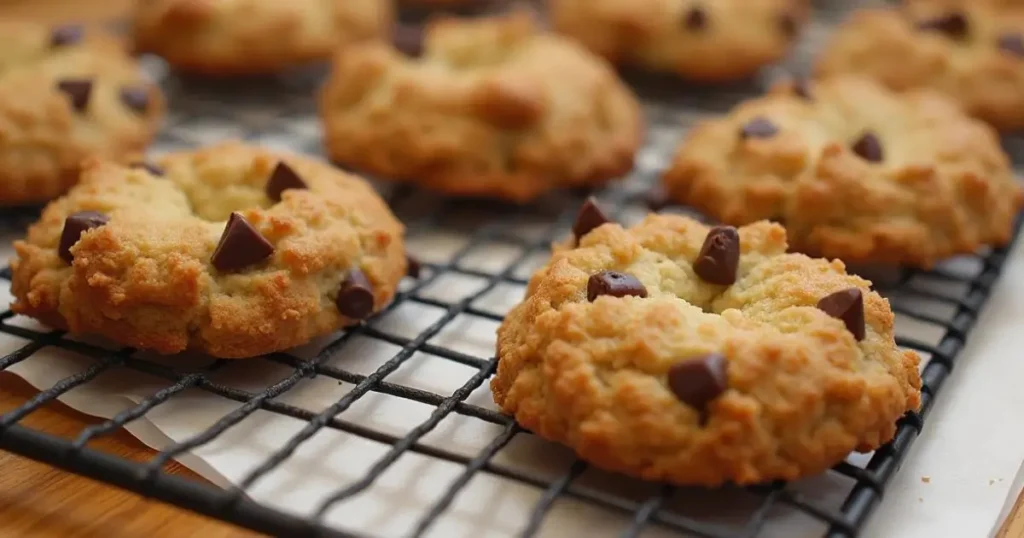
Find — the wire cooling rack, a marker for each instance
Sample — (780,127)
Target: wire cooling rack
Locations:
(494,247)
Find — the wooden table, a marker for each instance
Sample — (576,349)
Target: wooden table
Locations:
(37,500)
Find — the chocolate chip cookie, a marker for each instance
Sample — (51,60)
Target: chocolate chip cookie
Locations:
(971,50)
(66,94)
(710,41)
(854,171)
(243,37)
(695,355)
(229,250)
(493,107)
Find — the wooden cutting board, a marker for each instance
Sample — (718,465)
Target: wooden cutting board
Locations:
(39,501)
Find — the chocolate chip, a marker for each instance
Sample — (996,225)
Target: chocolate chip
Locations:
(719,256)
(699,380)
(788,24)
(1012,43)
(589,217)
(78,90)
(413,267)
(282,179)
(696,19)
(868,147)
(953,25)
(615,284)
(355,298)
(135,98)
(408,39)
(759,127)
(149,167)
(74,226)
(240,246)
(802,89)
(847,305)
(68,34)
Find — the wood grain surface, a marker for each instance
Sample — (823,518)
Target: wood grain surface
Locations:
(40,501)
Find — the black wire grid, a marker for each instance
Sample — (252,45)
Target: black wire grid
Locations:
(943,304)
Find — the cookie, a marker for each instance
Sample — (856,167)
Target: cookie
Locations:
(247,37)
(854,171)
(66,94)
(229,250)
(701,40)
(493,107)
(971,50)
(674,351)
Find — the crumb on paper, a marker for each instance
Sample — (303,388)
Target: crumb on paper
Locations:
(991,481)
(926,479)
(920,499)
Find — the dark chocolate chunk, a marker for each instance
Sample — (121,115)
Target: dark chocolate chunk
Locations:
(135,98)
(802,89)
(413,267)
(408,39)
(759,127)
(74,226)
(953,25)
(589,217)
(78,90)
(847,305)
(67,34)
(869,148)
(1012,43)
(355,298)
(788,24)
(615,284)
(240,246)
(282,179)
(696,18)
(719,256)
(150,167)
(699,380)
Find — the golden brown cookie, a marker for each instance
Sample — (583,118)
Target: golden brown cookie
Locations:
(673,351)
(66,94)
(229,250)
(972,50)
(242,37)
(492,108)
(698,355)
(710,41)
(854,171)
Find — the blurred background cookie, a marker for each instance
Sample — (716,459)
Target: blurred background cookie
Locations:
(854,171)
(973,50)
(67,94)
(235,37)
(702,40)
(493,107)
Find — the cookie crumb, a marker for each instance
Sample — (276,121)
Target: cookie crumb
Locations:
(991,481)
(926,479)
